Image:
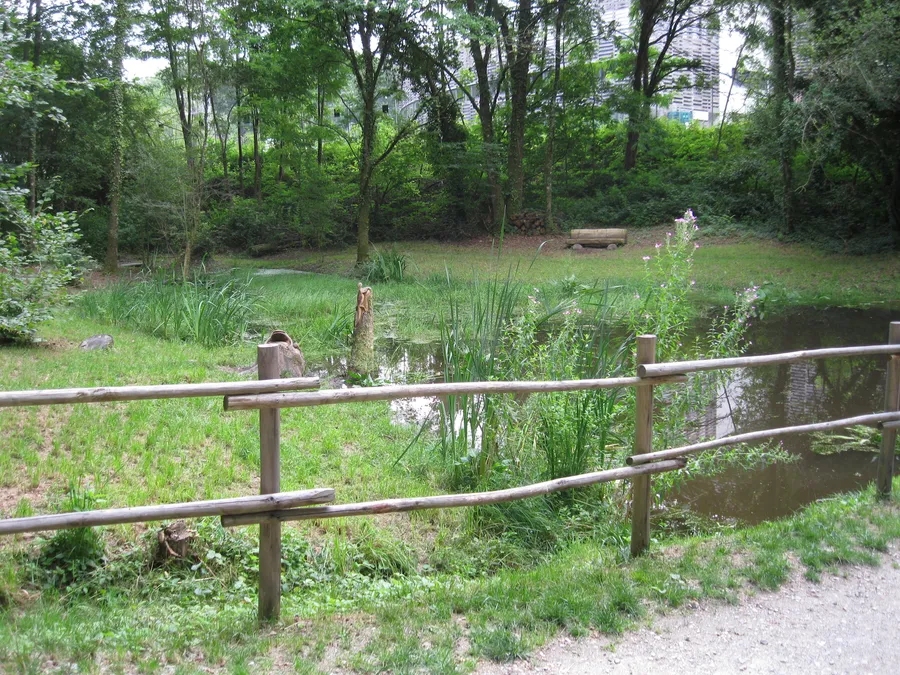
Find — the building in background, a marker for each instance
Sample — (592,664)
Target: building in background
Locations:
(696,103)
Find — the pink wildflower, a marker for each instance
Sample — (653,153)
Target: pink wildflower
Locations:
(646,257)
(658,244)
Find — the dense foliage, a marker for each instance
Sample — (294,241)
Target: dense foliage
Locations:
(314,124)
(38,248)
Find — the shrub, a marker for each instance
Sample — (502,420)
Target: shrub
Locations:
(38,257)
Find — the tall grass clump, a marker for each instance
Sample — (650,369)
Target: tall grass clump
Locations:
(385,267)
(209,310)
(577,339)
(473,334)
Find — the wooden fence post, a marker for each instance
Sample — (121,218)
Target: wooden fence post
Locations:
(643,434)
(268,360)
(891,404)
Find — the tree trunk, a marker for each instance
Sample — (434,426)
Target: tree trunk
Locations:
(111,265)
(551,121)
(485,109)
(257,159)
(638,108)
(519,63)
(240,141)
(894,203)
(366,160)
(320,119)
(37,42)
(221,135)
(782,78)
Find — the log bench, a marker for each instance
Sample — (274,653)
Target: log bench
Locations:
(598,238)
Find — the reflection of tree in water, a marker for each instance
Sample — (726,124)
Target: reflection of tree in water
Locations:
(791,394)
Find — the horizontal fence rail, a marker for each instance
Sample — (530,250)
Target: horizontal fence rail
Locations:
(452,501)
(872,420)
(683,367)
(154,391)
(141,514)
(396,391)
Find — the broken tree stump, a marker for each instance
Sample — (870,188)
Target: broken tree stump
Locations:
(362,352)
(293,363)
(173,541)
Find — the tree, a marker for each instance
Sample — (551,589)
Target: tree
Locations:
(850,109)
(552,106)
(782,98)
(647,56)
(519,46)
(38,252)
(118,136)
(373,37)
(177,32)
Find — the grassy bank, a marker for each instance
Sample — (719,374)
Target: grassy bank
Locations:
(795,274)
(437,622)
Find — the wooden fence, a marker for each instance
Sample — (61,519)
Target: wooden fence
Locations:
(271,393)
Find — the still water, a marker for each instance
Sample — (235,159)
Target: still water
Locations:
(753,399)
(791,394)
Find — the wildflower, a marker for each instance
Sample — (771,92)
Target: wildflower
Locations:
(567,312)
(637,296)
(668,234)
(658,245)
(646,257)
(696,245)
(689,214)
(693,282)
(578,311)
(662,285)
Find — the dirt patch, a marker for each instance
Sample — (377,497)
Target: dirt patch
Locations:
(830,627)
(12,495)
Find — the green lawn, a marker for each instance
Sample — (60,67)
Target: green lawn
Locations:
(428,591)
(798,274)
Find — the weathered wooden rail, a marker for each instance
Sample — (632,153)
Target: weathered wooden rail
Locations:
(271,393)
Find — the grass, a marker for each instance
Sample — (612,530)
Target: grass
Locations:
(429,591)
(438,622)
(794,273)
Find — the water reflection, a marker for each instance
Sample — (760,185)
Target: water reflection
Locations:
(791,394)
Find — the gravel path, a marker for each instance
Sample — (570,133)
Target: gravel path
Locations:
(845,624)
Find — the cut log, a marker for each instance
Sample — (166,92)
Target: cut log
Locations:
(604,238)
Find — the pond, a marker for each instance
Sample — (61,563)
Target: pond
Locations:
(752,399)
(791,394)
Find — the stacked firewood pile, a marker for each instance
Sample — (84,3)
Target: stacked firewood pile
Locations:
(527,223)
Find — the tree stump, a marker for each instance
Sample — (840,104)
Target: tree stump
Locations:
(293,364)
(173,541)
(362,352)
